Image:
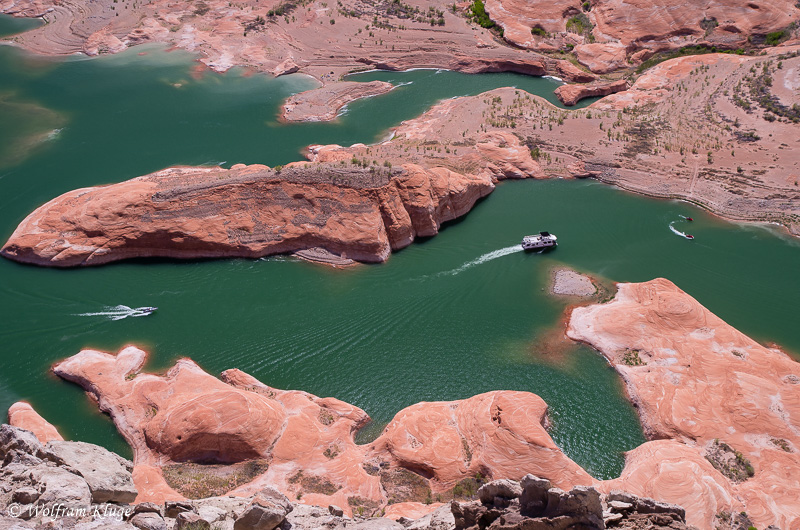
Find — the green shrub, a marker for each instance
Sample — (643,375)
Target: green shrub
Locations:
(536,30)
(479,15)
(579,24)
(776,37)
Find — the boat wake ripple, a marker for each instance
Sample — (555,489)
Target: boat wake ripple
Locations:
(118,312)
(489,256)
(676,231)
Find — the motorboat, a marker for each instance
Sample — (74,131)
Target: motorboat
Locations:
(541,241)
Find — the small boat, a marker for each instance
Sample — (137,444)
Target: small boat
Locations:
(689,219)
(146,310)
(542,241)
(689,236)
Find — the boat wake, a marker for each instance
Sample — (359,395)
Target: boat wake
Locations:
(678,232)
(118,312)
(489,256)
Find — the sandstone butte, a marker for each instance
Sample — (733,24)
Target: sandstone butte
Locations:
(680,131)
(697,383)
(188,415)
(695,380)
(357,213)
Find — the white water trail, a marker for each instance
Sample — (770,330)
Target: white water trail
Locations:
(676,231)
(118,312)
(489,256)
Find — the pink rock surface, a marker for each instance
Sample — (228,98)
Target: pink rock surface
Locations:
(189,415)
(22,415)
(602,58)
(248,211)
(701,380)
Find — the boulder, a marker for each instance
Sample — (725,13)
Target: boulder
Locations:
(148,521)
(499,492)
(191,521)
(581,503)
(25,495)
(59,486)
(173,508)
(267,510)
(335,510)
(107,474)
(533,499)
(16,440)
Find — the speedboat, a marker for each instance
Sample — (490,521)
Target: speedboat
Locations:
(689,236)
(542,241)
(146,310)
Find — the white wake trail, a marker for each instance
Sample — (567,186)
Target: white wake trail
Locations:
(117,312)
(676,231)
(489,256)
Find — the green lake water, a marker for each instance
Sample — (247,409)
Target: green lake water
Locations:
(446,318)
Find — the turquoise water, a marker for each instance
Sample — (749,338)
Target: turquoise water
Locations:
(11,26)
(446,318)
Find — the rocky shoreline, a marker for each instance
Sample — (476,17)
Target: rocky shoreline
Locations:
(362,202)
(74,485)
(716,405)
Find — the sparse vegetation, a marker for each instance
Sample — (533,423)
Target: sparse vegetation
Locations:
(631,358)
(781,443)
(314,483)
(197,481)
(539,32)
(580,24)
(729,462)
(326,417)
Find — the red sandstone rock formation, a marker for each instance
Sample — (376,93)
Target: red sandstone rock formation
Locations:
(323,104)
(22,415)
(571,94)
(250,212)
(696,379)
(188,415)
(636,28)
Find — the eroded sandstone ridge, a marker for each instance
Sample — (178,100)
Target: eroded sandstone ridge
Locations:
(349,207)
(306,444)
(727,406)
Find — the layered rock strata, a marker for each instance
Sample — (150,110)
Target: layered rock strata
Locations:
(569,95)
(727,406)
(608,35)
(308,442)
(364,201)
(253,211)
